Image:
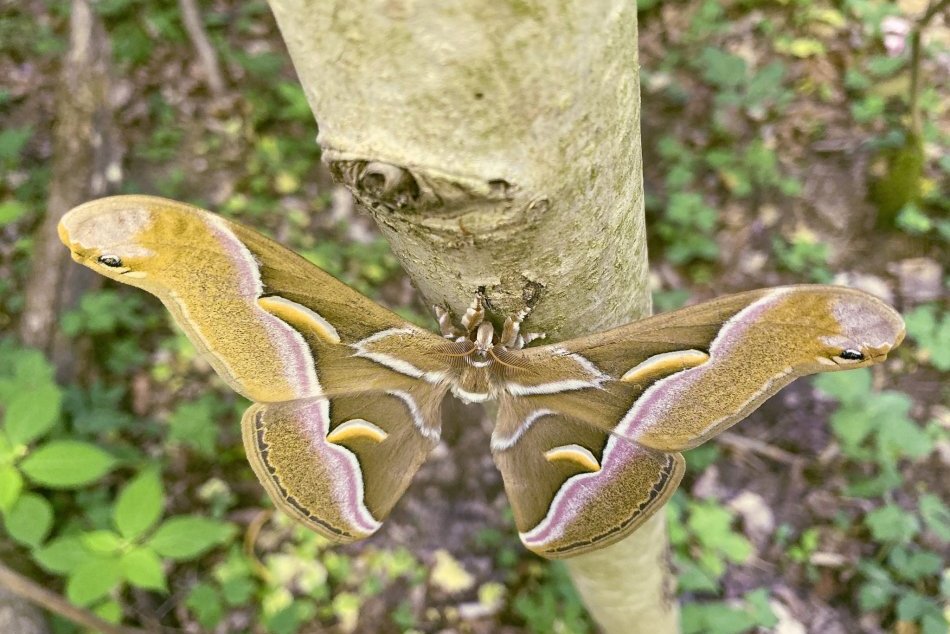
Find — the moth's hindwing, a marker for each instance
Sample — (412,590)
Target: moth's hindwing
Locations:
(338,464)
(574,488)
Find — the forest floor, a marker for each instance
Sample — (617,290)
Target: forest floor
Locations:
(778,148)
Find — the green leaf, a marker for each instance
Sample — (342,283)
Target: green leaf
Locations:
(11,484)
(142,568)
(205,603)
(892,524)
(722,69)
(236,578)
(936,515)
(913,566)
(912,606)
(140,504)
(109,611)
(63,554)
(902,437)
(31,413)
(12,141)
(931,331)
(29,520)
(194,425)
(65,464)
(874,596)
(93,580)
(711,525)
(11,211)
(184,538)
(848,387)
(102,542)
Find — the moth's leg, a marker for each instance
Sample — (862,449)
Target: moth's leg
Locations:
(475,314)
(511,336)
(511,333)
(446,327)
(531,336)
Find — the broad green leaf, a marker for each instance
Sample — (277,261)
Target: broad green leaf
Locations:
(902,437)
(13,140)
(21,369)
(11,211)
(936,515)
(29,520)
(93,580)
(187,537)
(912,606)
(194,425)
(711,524)
(236,578)
(63,554)
(140,504)
(914,565)
(930,327)
(142,568)
(11,484)
(874,596)
(64,464)
(892,524)
(289,619)
(205,603)
(847,387)
(31,413)
(109,611)
(934,622)
(101,542)
(8,453)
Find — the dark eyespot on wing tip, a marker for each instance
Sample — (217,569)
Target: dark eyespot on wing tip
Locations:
(852,355)
(112,261)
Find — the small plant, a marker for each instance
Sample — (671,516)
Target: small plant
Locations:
(804,255)
(704,545)
(550,603)
(905,579)
(930,328)
(874,427)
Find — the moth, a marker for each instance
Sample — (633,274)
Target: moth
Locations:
(347,394)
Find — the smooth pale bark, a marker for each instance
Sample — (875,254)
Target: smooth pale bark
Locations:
(497,145)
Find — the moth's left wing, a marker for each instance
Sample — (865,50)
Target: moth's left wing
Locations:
(589,429)
(695,372)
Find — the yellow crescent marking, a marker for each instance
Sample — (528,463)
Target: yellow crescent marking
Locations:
(294,313)
(664,364)
(355,429)
(136,274)
(574,453)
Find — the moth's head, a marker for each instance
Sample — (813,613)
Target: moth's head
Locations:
(110,236)
(867,330)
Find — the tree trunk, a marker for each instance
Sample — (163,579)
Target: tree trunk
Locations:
(497,145)
(86,165)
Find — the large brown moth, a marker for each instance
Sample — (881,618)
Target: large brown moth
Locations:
(347,394)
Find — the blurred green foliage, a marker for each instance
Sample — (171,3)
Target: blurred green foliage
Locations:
(111,496)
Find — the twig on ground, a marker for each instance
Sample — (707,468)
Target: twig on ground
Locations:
(751,445)
(32,591)
(199,39)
